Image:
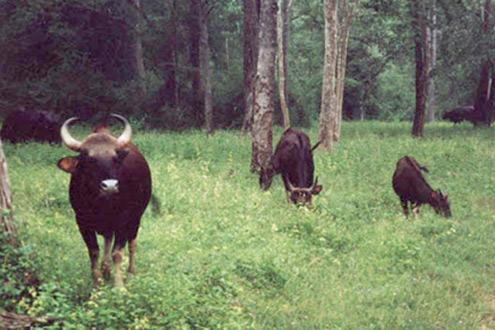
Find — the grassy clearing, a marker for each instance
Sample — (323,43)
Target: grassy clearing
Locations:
(222,254)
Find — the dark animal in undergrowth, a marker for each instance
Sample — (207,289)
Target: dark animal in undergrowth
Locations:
(459,114)
(110,188)
(31,125)
(411,187)
(293,159)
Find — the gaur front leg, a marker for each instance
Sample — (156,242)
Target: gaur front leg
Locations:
(89,237)
(132,239)
(285,179)
(405,208)
(105,263)
(415,209)
(132,256)
(117,256)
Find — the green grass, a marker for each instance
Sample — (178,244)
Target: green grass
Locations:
(223,254)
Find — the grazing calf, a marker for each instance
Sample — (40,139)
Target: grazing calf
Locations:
(293,158)
(410,185)
(110,188)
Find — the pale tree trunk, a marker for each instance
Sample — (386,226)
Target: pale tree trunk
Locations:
(328,112)
(250,53)
(343,41)
(204,56)
(282,44)
(433,40)
(261,131)
(422,63)
(6,216)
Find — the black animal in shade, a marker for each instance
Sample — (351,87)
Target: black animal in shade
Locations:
(411,187)
(109,190)
(293,159)
(459,114)
(24,125)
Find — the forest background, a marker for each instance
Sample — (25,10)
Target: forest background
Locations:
(143,59)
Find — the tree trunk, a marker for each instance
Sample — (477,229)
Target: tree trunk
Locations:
(482,104)
(197,90)
(251,48)
(168,93)
(328,112)
(170,60)
(137,51)
(432,38)
(261,131)
(204,55)
(6,216)
(282,44)
(422,63)
(343,41)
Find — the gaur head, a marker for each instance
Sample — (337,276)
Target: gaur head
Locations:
(303,196)
(266,174)
(100,157)
(440,203)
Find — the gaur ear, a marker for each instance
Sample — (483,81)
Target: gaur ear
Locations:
(317,189)
(434,195)
(68,164)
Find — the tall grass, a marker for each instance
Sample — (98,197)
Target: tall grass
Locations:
(223,254)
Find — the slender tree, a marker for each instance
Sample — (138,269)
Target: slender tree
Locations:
(282,42)
(197,90)
(168,93)
(347,11)
(419,24)
(137,49)
(204,56)
(483,105)
(261,131)
(250,33)
(432,40)
(328,112)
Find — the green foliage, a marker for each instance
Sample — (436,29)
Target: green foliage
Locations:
(223,254)
(19,280)
(54,58)
(395,97)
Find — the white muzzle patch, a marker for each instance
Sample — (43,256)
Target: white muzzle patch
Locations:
(109,186)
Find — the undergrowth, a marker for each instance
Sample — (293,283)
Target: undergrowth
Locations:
(223,254)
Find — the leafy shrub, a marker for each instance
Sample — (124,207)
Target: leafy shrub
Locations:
(19,280)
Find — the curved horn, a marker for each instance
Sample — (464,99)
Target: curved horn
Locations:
(67,139)
(125,137)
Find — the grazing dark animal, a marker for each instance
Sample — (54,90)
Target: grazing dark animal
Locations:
(411,187)
(31,125)
(293,158)
(110,188)
(459,114)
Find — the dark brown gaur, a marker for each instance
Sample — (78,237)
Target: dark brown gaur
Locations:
(109,190)
(293,159)
(24,125)
(411,187)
